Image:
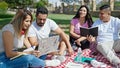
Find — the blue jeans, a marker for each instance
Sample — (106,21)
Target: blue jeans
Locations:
(25,61)
(43,57)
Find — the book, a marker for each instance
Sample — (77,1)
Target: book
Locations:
(74,65)
(48,45)
(89,31)
(17,56)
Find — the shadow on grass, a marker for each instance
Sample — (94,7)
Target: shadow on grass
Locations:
(63,22)
(58,21)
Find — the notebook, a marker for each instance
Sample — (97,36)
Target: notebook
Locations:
(74,65)
(47,45)
(89,31)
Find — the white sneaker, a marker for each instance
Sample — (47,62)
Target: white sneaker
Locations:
(53,62)
(61,58)
(97,64)
(116,60)
(74,48)
(54,57)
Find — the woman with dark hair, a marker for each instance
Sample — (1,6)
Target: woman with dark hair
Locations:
(81,19)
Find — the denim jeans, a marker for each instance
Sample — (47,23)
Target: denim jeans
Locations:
(43,57)
(25,61)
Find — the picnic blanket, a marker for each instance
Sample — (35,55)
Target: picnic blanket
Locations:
(92,52)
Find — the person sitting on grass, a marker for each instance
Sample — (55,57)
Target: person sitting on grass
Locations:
(81,19)
(13,35)
(108,40)
(42,27)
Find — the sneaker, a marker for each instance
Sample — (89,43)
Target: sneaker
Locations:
(75,48)
(115,60)
(97,64)
(61,58)
(53,62)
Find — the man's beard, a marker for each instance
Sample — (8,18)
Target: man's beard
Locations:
(40,24)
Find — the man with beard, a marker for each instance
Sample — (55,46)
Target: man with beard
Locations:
(42,27)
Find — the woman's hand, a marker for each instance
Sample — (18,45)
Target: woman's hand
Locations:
(70,51)
(78,42)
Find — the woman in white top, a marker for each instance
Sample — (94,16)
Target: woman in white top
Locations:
(14,37)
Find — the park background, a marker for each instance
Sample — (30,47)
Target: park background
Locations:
(61,11)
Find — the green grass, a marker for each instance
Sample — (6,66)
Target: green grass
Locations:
(58,18)
(4,21)
(63,18)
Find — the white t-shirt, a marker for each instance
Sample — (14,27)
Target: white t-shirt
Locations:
(18,43)
(108,31)
(44,31)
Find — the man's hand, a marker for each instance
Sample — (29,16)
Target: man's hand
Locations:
(36,53)
(91,38)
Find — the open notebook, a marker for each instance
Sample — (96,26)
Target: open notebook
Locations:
(89,31)
(47,45)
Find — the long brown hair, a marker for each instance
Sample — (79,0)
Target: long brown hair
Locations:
(87,17)
(18,19)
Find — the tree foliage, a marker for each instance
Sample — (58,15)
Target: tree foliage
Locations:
(26,3)
(3,7)
(19,3)
(69,1)
(42,3)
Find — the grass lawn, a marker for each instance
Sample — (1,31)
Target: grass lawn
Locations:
(4,21)
(63,18)
(58,18)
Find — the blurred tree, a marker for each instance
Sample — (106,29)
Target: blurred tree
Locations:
(69,1)
(18,3)
(93,5)
(3,7)
(42,3)
(111,2)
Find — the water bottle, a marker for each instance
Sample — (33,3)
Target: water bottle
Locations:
(79,51)
(78,58)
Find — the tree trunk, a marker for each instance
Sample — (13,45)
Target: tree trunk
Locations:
(111,4)
(74,7)
(83,2)
(94,5)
